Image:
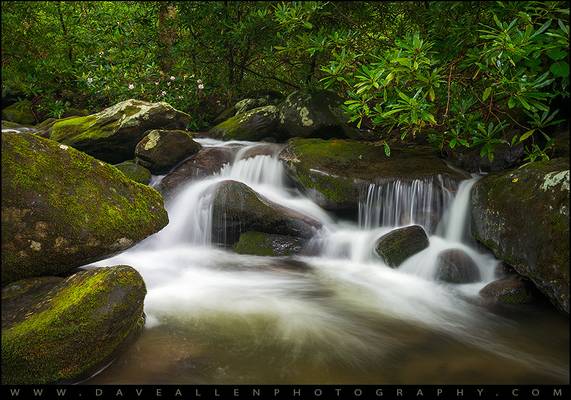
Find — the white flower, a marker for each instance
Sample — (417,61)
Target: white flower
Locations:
(172,78)
(89,80)
(131,86)
(168,83)
(157,83)
(163,93)
(180,97)
(200,86)
(192,76)
(199,81)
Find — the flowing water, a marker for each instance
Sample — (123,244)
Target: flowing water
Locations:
(341,316)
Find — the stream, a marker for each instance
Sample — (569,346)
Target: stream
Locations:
(339,316)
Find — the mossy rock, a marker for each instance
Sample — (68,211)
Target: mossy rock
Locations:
(456,266)
(522,215)
(266,244)
(206,162)
(401,243)
(112,134)
(237,209)
(134,171)
(62,208)
(510,290)
(333,172)
(254,125)
(160,150)
(62,332)
(20,112)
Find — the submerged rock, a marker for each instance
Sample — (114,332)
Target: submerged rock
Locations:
(255,124)
(207,161)
(509,290)
(160,149)
(112,134)
(61,331)
(237,209)
(333,172)
(62,208)
(266,244)
(20,112)
(135,171)
(401,243)
(523,217)
(455,266)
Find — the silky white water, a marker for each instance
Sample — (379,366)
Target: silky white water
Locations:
(340,316)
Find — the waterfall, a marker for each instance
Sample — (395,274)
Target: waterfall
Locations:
(457,219)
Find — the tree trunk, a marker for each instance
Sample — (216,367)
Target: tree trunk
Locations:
(167,35)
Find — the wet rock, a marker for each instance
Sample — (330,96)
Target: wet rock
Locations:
(505,156)
(9,126)
(269,149)
(62,208)
(207,161)
(253,125)
(135,171)
(112,134)
(401,243)
(455,266)
(20,112)
(237,209)
(160,149)
(259,99)
(61,331)
(523,217)
(333,172)
(509,290)
(266,244)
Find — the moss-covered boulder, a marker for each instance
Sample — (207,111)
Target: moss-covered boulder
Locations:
(523,217)
(62,208)
(238,209)
(267,244)
(509,290)
(20,112)
(135,171)
(256,124)
(456,266)
(9,126)
(112,134)
(255,100)
(401,243)
(333,172)
(207,161)
(161,149)
(64,331)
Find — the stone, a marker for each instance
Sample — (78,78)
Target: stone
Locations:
(401,243)
(266,244)
(509,290)
(20,112)
(456,266)
(254,125)
(135,171)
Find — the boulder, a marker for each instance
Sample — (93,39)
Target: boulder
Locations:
(135,171)
(112,134)
(207,161)
(255,100)
(267,244)
(333,172)
(505,156)
(314,114)
(455,266)
(401,243)
(63,330)
(237,209)
(509,290)
(20,112)
(523,217)
(160,149)
(9,126)
(62,208)
(269,149)
(254,125)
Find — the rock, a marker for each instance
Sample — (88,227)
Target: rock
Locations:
(112,134)
(207,161)
(523,217)
(266,244)
(62,208)
(67,332)
(401,243)
(333,172)
(510,290)
(455,266)
(269,149)
(505,157)
(44,128)
(255,100)
(254,125)
(237,209)
(160,150)
(134,171)
(9,126)
(313,114)
(20,112)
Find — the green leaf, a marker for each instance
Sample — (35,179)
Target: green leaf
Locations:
(526,135)
(556,54)
(511,102)
(387,149)
(560,69)
(487,93)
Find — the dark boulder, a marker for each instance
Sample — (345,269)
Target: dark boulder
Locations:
(401,243)
(255,124)
(509,290)
(455,266)
(267,244)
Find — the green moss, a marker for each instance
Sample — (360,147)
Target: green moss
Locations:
(76,129)
(20,112)
(134,171)
(75,328)
(254,243)
(254,124)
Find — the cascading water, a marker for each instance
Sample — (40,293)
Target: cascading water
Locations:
(214,316)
